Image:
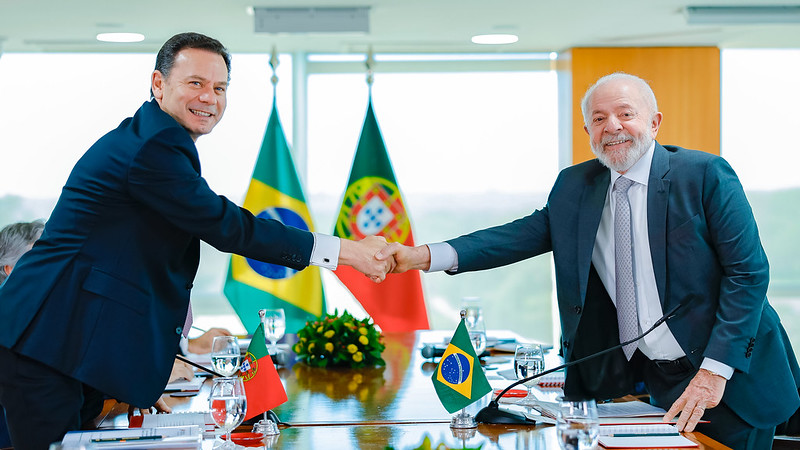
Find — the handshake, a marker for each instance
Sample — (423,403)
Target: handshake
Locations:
(374,257)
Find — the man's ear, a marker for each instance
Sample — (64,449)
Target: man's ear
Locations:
(7,269)
(157,84)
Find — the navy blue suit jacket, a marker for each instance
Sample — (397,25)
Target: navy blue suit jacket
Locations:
(704,245)
(102,296)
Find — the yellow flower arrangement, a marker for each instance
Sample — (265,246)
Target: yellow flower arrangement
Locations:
(340,341)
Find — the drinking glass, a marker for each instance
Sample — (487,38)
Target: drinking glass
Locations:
(577,425)
(475,327)
(274,321)
(226,355)
(528,361)
(477,334)
(228,405)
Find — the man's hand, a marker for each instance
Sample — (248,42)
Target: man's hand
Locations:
(360,255)
(202,344)
(181,371)
(160,407)
(406,258)
(704,392)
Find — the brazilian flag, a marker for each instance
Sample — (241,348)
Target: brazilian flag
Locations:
(459,379)
(275,193)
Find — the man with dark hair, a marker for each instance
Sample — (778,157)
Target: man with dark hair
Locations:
(101,300)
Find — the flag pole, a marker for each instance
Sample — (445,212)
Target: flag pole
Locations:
(267,426)
(273,62)
(370,63)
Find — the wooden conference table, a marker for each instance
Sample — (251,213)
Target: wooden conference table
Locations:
(393,406)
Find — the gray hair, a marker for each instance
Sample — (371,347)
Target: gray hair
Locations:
(643,86)
(15,240)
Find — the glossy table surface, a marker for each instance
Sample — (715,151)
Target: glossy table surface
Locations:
(394,406)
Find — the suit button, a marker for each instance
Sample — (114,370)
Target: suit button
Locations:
(578,309)
(189,286)
(178,330)
(566,344)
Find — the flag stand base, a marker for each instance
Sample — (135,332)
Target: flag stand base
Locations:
(463,420)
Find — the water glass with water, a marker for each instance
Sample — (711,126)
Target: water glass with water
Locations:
(228,404)
(274,321)
(577,425)
(226,355)
(528,361)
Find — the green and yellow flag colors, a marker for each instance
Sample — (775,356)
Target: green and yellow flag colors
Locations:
(275,193)
(459,379)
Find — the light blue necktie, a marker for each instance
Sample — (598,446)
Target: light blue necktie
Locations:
(626,287)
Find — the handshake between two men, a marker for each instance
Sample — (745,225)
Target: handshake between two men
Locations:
(375,258)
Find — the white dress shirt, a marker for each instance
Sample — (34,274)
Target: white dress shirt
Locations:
(325,252)
(660,344)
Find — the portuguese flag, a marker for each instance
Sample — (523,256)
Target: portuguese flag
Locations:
(262,385)
(275,193)
(372,205)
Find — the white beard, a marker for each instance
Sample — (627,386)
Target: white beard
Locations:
(621,163)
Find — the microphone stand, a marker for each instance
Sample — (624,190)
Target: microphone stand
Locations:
(492,413)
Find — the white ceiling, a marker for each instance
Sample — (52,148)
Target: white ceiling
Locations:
(426,26)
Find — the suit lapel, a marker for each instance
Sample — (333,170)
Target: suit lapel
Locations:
(590,212)
(657,201)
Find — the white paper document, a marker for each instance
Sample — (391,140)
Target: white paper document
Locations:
(642,436)
(188,437)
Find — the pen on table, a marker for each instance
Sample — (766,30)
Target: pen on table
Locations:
(205,369)
(199,329)
(131,438)
(643,434)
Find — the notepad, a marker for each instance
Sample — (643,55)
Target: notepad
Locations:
(183,385)
(188,437)
(642,436)
(202,420)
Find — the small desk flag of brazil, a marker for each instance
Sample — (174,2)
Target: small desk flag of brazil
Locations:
(459,379)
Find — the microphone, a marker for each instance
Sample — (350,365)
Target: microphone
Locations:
(430,351)
(492,413)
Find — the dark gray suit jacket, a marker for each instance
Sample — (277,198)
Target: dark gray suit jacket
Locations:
(102,296)
(705,248)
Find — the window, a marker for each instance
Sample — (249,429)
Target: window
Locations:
(759,92)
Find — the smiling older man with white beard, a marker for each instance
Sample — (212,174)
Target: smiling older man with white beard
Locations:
(680,231)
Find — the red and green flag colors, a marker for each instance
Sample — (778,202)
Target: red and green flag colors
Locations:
(275,193)
(372,205)
(262,384)
(459,379)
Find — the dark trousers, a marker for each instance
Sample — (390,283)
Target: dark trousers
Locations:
(42,404)
(666,381)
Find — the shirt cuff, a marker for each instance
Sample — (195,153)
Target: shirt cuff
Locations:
(184,345)
(326,251)
(443,257)
(723,370)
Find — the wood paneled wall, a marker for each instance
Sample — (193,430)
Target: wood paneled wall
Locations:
(686,81)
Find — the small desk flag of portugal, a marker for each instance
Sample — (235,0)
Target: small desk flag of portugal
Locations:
(372,205)
(458,379)
(262,385)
